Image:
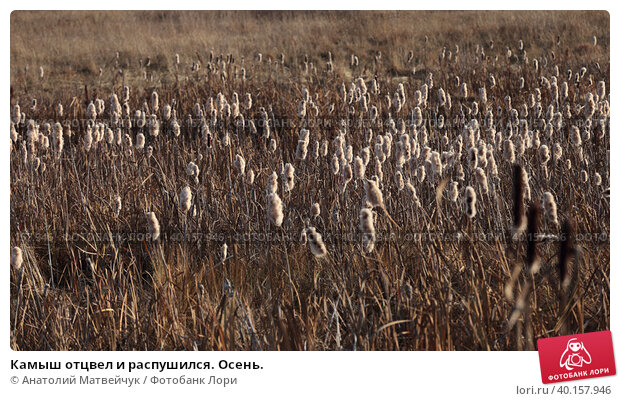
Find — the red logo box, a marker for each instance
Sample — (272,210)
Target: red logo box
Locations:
(575,357)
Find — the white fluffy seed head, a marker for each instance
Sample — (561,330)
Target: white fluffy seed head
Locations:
(399,181)
(118,204)
(153,225)
(239,164)
(550,208)
(436,165)
(288,177)
(315,210)
(598,180)
(453,191)
(315,240)
(359,168)
(481,177)
(17,258)
(185,199)
(373,193)
(367,221)
(88,139)
(274,209)
(543,154)
(509,151)
(140,141)
(575,136)
(470,202)
(302,150)
(272,183)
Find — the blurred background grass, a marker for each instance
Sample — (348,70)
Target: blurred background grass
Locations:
(73,45)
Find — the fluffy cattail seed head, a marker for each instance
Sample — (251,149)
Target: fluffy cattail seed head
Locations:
(185,199)
(153,225)
(315,240)
(470,202)
(550,208)
(17,258)
(315,210)
(239,164)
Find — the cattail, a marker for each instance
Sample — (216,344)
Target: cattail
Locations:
(598,180)
(399,181)
(118,204)
(359,167)
(470,202)
(272,145)
(239,164)
(153,126)
(185,199)
(302,150)
(583,176)
(272,183)
(492,165)
(335,165)
(88,139)
(543,154)
(368,229)
(575,137)
(519,182)
(176,128)
(91,111)
(14,134)
(472,158)
(140,140)
(413,193)
(274,209)
(154,102)
(509,151)
(532,258)
(482,94)
(347,176)
(57,138)
(436,166)
(153,225)
(375,198)
(288,177)
(17,258)
(550,208)
(557,152)
(149,152)
(224,251)
(421,173)
(481,177)
(373,193)
(193,171)
(417,117)
(315,240)
(128,141)
(453,191)
(378,171)
(249,179)
(600,90)
(324,148)
(16,115)
(315,210)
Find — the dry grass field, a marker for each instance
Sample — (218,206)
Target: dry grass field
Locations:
(308,180)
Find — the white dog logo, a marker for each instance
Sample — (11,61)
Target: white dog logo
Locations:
(575,355)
